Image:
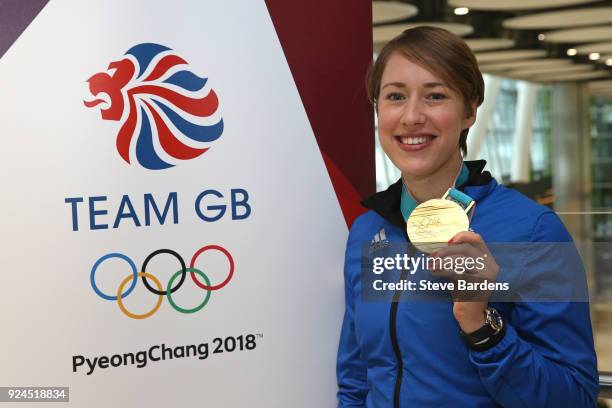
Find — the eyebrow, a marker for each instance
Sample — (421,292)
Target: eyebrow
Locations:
(427,85)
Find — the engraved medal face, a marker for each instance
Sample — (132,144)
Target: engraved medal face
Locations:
(433,223)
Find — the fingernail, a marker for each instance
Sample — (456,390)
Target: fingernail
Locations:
(450,241)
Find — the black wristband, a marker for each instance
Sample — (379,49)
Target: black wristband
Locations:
(492,342)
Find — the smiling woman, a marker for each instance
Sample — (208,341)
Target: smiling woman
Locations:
(426,88)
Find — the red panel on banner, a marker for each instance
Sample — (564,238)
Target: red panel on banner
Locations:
(328,45)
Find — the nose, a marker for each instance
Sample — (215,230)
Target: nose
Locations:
(414,113)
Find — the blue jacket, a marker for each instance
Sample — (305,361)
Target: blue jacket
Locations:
(545,359)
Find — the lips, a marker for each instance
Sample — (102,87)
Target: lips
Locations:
(414,142)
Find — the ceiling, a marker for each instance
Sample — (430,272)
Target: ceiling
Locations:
(536,40)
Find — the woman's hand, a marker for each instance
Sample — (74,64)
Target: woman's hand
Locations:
(469,306)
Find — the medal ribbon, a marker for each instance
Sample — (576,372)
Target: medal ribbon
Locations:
(465,201)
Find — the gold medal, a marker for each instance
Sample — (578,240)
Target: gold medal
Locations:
(433,223)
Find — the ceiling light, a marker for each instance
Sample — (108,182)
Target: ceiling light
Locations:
(571,52)
(541,37)
(609,62)
(461,11)
(594,56)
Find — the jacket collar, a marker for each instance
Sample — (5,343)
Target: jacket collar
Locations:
(387,203)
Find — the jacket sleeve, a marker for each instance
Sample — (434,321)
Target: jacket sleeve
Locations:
(351,370)
(547,357)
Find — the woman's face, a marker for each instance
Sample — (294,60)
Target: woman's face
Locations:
(420,118)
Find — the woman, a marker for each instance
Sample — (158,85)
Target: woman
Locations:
(426,87)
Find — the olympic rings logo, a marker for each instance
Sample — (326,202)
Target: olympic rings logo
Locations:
(158,290)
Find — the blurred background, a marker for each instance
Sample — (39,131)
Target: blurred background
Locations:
(545,127)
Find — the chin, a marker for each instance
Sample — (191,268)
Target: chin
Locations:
(417,171)
(416,167)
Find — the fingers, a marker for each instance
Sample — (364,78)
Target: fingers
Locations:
(444,273)
(466,259)
(459,249)
(468,237)
(466,253)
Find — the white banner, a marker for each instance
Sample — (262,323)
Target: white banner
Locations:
(188,147)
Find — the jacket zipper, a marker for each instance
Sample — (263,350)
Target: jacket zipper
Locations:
(395,344)
(393,333)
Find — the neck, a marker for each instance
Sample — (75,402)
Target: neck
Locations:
(434,185)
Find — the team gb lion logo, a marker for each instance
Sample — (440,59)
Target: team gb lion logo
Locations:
(167,113)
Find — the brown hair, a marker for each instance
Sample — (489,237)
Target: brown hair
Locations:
(440,52)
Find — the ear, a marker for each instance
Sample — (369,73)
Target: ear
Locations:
(469,120)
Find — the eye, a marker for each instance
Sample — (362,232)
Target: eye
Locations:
(395,96)
(436,96)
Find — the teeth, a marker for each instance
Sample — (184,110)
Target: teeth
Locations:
(413,140)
